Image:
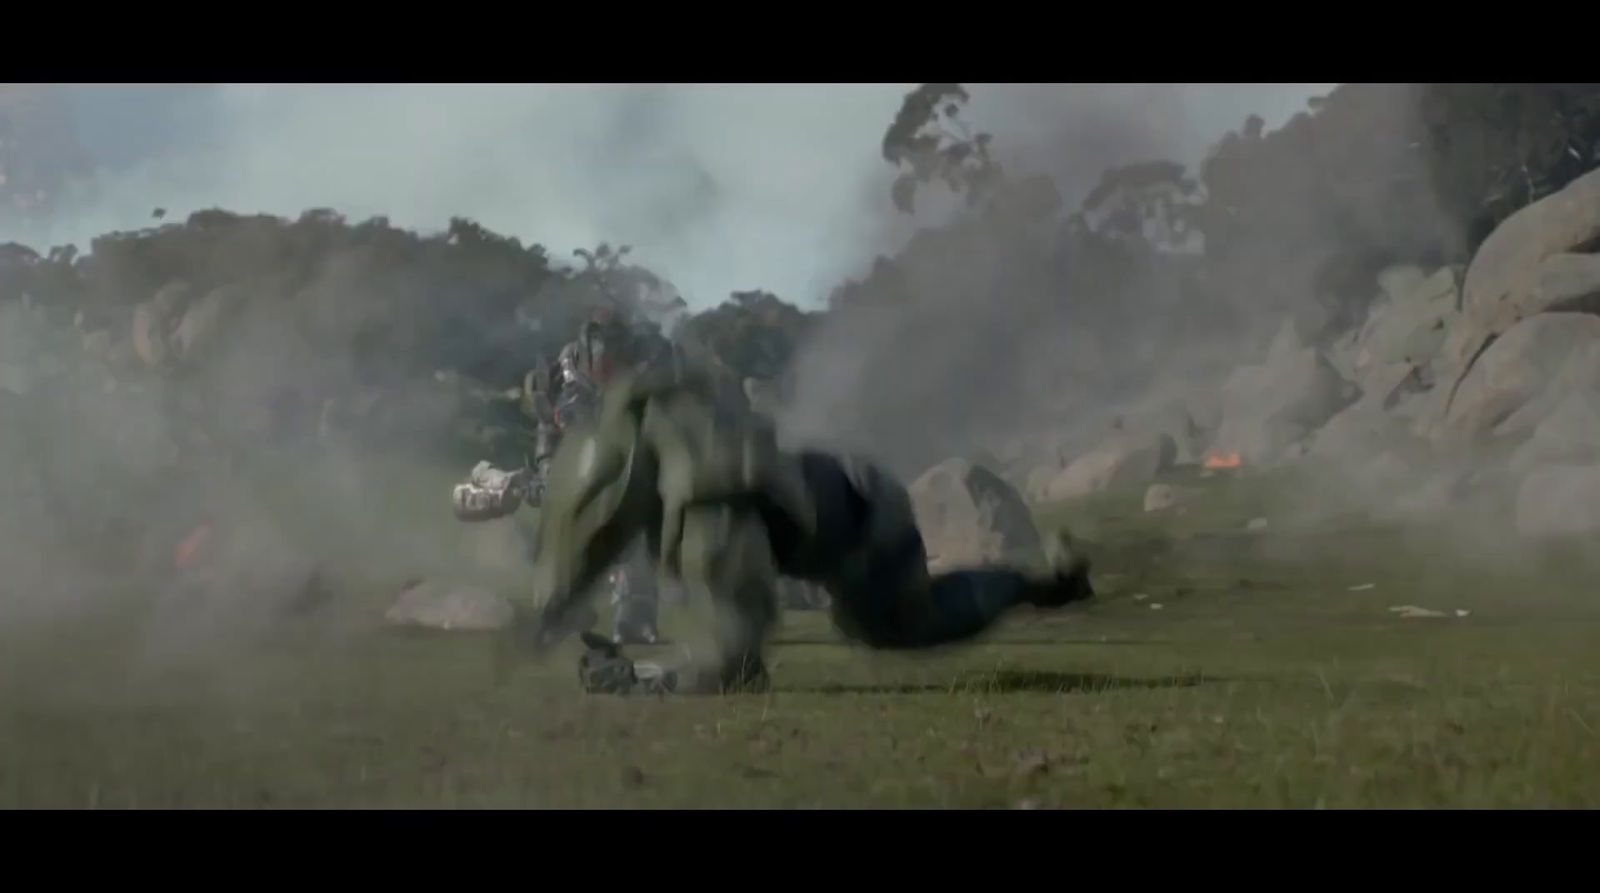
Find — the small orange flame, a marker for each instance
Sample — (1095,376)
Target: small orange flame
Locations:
(1222,460)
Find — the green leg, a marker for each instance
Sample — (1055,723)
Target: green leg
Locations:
(726,555)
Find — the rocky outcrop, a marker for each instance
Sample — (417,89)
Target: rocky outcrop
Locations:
(1163,497)
(1523,375)
(1269,408)
(969,517)
(1189,421)
(1410,325)
(1526,264)
(201,323)
(1538,260)
(1122,461)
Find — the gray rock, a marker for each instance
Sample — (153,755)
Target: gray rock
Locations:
(1526,267)
(434,604)
(201,322)
(1503,283)
(1180,418)
(171,300)
(1570,434)
(1523,375)
(969,517)
(1568,282)
(1411,326)
(1268,408)
(149,335)
(1396,283)
(1124,460)
(1559,501)
(1343,353)
(1160,497)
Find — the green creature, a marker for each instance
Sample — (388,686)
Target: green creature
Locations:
(727,512)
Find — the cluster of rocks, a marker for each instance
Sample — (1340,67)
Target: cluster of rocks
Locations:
(1484,380)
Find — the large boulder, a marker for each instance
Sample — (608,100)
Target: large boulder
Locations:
(1525,266)
(198,328)
(433,604)
(1409,326)
(1269,408)
(1162,497)
(969,517)
(1396,354)
(1538,260)
(1125,460)
(1523,375)
(1568,282)
(170,301)
(1570,434)
(1559,500)
(1183,420)
(149,334)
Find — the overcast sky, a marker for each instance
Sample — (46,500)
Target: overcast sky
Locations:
(718,188)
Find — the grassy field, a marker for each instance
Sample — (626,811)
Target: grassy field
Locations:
(1221,667)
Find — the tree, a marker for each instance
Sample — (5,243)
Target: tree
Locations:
(930,143)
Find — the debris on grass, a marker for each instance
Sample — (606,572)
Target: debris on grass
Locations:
(1140,596)
(1157,606)
(1256,524)
(1363,587)
(1413,612)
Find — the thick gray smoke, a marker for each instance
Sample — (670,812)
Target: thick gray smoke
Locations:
(981,350)
(719,188)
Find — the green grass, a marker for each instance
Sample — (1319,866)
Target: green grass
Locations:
(1264,680)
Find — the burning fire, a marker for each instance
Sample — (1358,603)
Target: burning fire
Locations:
(1222,460)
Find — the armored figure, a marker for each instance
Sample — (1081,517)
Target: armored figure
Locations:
(727,513)
(567,394)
